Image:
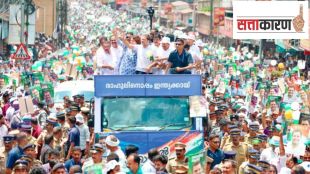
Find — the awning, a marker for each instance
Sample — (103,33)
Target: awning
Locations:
(186,11)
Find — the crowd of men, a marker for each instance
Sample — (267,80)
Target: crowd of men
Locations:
(257,111)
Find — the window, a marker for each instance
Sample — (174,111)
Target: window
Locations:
(158,113)
(229,14)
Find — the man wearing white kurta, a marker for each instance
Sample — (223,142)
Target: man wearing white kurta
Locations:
(105,58)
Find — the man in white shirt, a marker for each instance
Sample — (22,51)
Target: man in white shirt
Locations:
(112,143)
(84,134)
(3,129)
(105,58)
(162,56)
(274,154)
(156,44)
(149,166)
(193,49)
(117,51)
(145,54)
(10,111)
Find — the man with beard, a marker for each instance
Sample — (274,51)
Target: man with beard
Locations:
(180,158)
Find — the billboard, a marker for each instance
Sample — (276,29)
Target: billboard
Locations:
(260,20)
(219,16)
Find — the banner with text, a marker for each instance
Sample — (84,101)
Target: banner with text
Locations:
(270,20)
(147,85)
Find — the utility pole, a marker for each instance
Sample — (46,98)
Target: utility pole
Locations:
(22,21)
(260,52)
(159,11)
(151,12)
(195,3)
(27,24)
(211,18)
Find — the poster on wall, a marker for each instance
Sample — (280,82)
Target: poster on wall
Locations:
(219,16)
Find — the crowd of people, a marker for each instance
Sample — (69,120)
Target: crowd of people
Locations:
(257,110)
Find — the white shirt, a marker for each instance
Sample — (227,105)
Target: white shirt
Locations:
(273,157)
(285,170)
(3,132)
(156,49)
(164,53)
(296,151)
(10,113)
(161,53)
(120,154)
(148,167)
(118,52)
(103,58)
(84,135)
(143,61)
(195,52)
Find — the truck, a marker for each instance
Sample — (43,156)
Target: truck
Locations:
(149,111)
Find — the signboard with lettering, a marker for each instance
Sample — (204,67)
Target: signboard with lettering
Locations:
(260,20)
(147,85)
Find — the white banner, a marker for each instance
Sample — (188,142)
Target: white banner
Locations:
(270,20)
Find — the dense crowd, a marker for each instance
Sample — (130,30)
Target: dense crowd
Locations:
(257,109)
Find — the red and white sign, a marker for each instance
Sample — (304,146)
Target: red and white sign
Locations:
(260,20)
(21,53)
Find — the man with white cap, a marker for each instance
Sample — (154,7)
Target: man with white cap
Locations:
(162,55)
(84,134)
(166,48)
(112,167)
(194,49)
(112,143)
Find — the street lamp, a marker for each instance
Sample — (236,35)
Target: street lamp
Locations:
(150,11)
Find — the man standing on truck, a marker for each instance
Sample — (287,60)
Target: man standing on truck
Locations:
(180,61)
(179,160)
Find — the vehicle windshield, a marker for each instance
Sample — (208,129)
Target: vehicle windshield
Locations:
(59,95)
(146,113)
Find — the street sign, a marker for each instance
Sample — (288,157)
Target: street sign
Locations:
(21,53)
